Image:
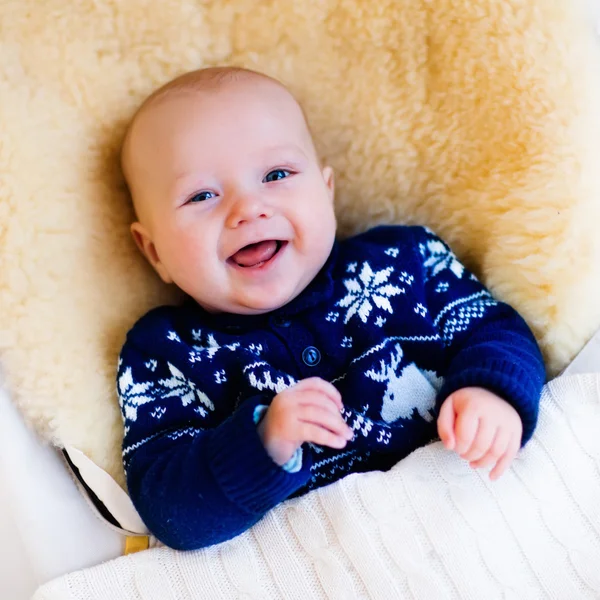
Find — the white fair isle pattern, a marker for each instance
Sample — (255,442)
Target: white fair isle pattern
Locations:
(255,348)
(429,528)
(129,449)
(210,347)
(181,387)
(158,412)
(406,278)
(437,257)
(369,286)
(359,423)
(346,342)
(134,394)
(365,427)
(259,377)
(407,388)
(337,463)
(420,310)
(188,431)
(396,338)
(484,294)
(460,318)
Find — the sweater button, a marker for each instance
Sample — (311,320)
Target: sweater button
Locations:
(311,356)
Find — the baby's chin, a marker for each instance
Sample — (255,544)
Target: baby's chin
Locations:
(257,304)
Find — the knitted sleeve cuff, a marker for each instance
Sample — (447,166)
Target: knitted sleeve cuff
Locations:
(245,472)
(519,387)
(295,463)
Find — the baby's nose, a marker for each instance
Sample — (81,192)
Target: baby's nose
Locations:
(247,208)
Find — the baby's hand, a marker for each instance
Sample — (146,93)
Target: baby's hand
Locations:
(481,427)
(309,411)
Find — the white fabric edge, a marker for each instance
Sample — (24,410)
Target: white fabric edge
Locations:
(588,360)
(110,493)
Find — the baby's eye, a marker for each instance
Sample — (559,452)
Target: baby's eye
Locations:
(201,196)
(276,175)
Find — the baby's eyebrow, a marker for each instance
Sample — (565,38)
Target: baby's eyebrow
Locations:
(183,176)
(182,183)
(289,149)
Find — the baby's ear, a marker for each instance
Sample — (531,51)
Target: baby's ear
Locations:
(329,178)
(144,242)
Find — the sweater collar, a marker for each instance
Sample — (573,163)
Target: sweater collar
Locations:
(320,289)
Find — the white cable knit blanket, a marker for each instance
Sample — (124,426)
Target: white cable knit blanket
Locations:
(430,529)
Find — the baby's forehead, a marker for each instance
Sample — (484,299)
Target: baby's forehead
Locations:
(261,94)
(177,109)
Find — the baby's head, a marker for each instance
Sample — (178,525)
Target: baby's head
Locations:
(232,202)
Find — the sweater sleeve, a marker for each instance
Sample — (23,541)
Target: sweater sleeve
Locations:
(197,471)
(488,344)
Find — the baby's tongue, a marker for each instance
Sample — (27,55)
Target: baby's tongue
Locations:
(255,253)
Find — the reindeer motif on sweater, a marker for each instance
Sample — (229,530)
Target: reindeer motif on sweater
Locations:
(408,388)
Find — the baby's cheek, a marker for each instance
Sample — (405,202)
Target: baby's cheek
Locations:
(322,228)
(190,259)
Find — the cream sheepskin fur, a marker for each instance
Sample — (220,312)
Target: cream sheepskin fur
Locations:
(478,118)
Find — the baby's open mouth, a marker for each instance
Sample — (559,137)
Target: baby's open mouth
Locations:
(256,255)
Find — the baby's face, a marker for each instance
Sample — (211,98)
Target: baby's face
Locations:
(234,207)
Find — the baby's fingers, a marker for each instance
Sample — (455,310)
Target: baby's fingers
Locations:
(445,423)
(467,424)
(320,436)
(482,443)
(506,459)
(316,384)
(497,449)
(322,417)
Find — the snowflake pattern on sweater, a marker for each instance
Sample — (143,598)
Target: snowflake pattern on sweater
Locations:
(393,320)
(367,287)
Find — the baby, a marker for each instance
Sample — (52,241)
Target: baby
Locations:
(295,359)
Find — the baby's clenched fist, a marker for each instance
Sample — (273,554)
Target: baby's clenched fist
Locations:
(481,427)
(309,411)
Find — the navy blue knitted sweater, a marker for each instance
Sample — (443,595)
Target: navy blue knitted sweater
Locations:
(393,320)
